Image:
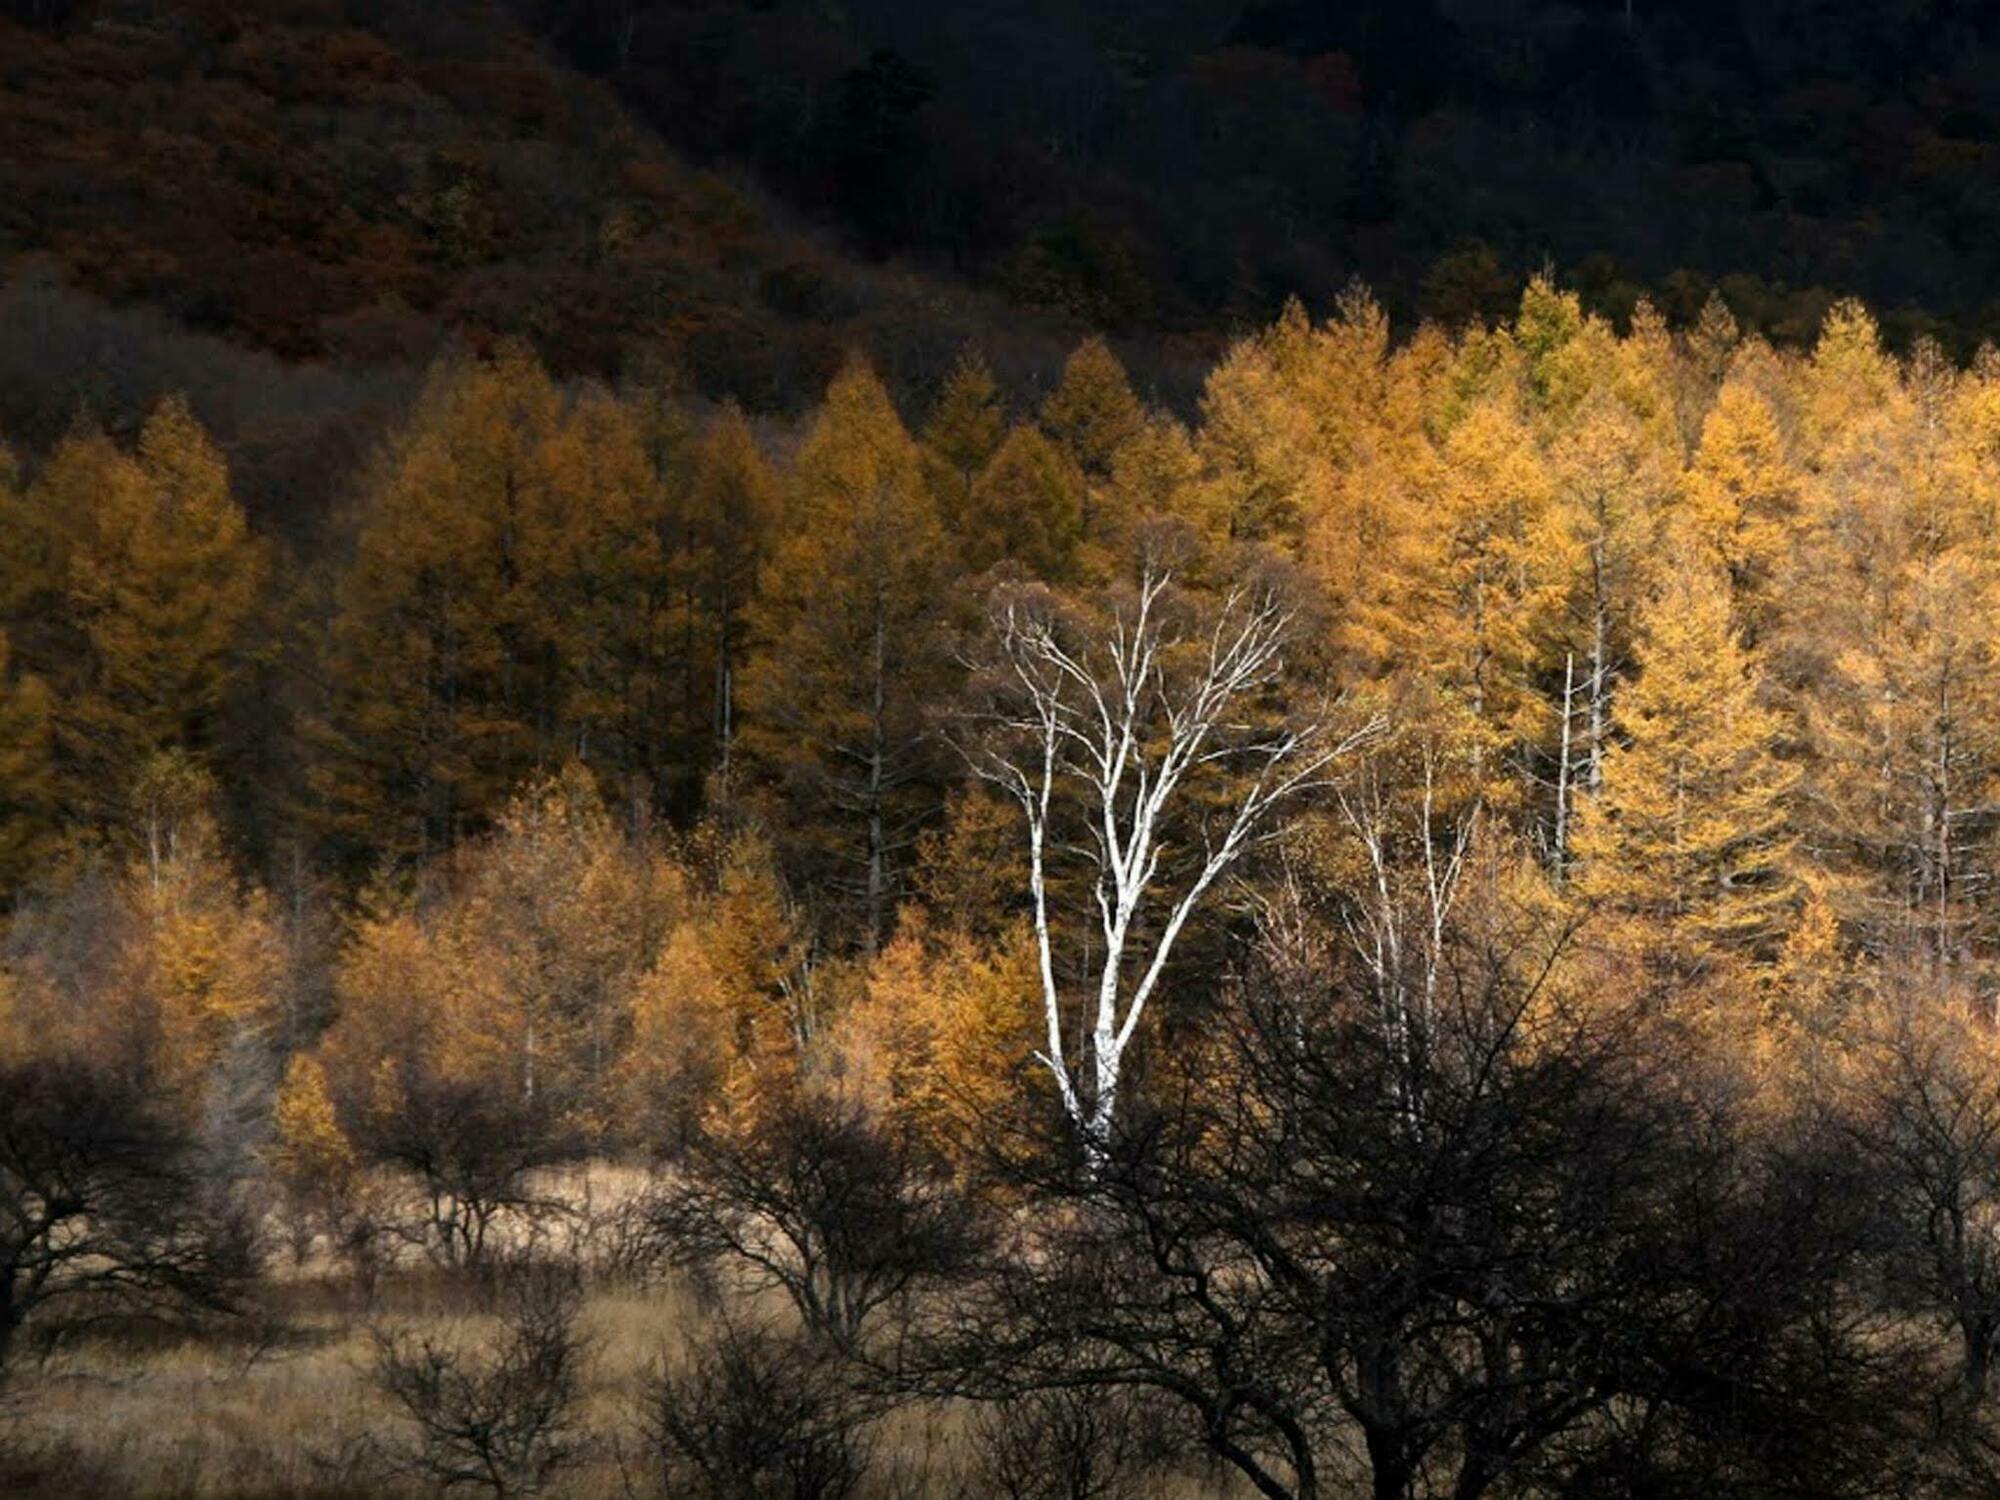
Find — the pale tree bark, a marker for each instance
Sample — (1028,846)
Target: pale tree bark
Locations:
(1397,926)
(1113,724)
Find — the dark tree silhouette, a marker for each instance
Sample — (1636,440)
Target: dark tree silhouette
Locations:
(105,1210)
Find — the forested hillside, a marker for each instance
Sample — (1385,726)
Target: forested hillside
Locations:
(354,187)
(1563,534)
(1196,162)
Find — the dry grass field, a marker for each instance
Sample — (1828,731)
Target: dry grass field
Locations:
(285,1404)
(290,1410)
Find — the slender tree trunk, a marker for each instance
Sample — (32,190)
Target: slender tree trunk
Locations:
(1600,673)
(1559,854)
(877,774)
(1390,1469)
(724,683)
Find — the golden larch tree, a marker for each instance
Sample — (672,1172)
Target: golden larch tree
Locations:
(309,1152)
(1026,508)
(942,1037)
(434,707)
(850,654)
(733,509)
(1690,841)
(28,792)
(586,633)
(1603,533)
(1488,581)
(964,430)
(730,1011)
(506,607)
(1090,415)
(1895,647)
(1740,500)
(130,584)
(566,913)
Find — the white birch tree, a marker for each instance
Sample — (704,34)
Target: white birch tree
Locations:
(1150,738)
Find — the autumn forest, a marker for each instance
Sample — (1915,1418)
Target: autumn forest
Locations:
(664,842)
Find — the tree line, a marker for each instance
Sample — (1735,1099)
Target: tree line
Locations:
(1429,932)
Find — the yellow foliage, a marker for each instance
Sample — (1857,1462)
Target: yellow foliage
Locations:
(1156,475)
(681,1034)
(128,585)
(185,971)
(1851,387)
(1690,839)
(507,606)
(206,959)
(1484,582)
(942,1036)
(16,1038)
(851,650)
(28,786)
(1562,350)
(1026,507)
(733,510)
(1092,412)
(973,869)
(965,430)
(517,970)
(731,1008)
(309,1150)
(1741,498)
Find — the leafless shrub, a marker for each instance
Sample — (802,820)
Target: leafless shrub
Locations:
(756,1415)
(622,1241)
(364,1242)
(1067,1444)
(505,1420)
(474,1157)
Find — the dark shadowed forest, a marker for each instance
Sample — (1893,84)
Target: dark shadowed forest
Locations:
(778,752)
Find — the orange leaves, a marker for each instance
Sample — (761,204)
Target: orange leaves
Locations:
(503,602)
(1027,506)
(28,789)
(731,997)
(1691,837)
(851,653)
(129,580)
(1092,412)
(518,970)
(182,971)
(965,429)
(309,1149)
(1741,498)
(943,1033)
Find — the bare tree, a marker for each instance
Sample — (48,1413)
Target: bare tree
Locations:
(472,1151)
(104,1210)
(1924,1122)
(1071,1443)
(1397,914)
(1166,724)
(844,1214)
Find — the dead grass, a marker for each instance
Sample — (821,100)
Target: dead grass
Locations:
(288,1418)
(282,1408)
